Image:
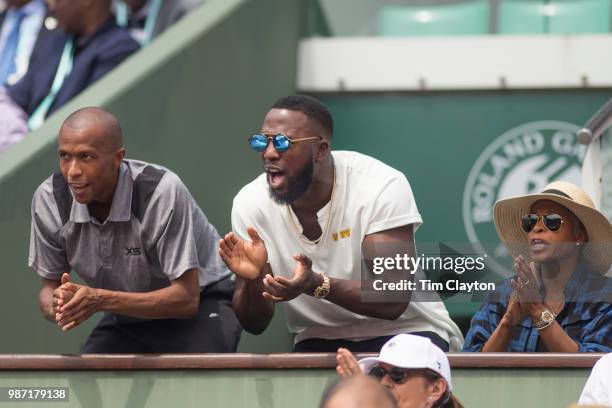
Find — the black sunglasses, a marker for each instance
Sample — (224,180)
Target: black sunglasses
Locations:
(553,222)
(396,374)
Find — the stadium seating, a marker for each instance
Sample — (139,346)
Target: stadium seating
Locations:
(553,17)
(521,17)
(579,16)
(469,17)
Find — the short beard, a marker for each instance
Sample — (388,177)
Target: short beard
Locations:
(296,187)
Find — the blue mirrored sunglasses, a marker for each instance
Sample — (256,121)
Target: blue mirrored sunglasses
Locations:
(259,141)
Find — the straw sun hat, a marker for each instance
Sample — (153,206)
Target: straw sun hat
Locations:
(507,215)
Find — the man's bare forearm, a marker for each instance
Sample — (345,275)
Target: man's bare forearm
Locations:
(167,303)
(253,310)
(180,300)
(347,294)
(45,299)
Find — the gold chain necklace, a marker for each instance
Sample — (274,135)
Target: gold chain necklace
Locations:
(329,217)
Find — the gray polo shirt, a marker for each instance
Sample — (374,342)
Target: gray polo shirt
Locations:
(154,233)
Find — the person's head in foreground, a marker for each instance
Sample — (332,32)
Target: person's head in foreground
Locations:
(294,143)
(415,370)
(357,392)
(552,228)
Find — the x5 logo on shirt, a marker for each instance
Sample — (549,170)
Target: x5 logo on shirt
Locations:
(132,251)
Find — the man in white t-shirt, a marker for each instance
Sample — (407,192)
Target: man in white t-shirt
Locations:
(298,233)
(598,389)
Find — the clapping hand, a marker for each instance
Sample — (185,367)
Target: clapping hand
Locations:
(280,289)
(75,304)
(347,364)
(527,287)
(245,258)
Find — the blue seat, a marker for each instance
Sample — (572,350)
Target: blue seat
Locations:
(521,17)
(553,16)
(468,17)
(579,16)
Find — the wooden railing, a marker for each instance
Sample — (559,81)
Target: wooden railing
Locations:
(45,362)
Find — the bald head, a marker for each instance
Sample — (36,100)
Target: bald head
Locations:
(359,391)
(90,149)
(101,125)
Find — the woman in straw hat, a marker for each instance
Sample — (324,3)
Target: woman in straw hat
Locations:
(559,299)
(414,369)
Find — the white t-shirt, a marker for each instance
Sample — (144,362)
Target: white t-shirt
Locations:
(598,389)
(369,197)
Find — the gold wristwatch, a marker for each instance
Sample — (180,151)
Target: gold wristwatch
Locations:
(322,290)
(546,319)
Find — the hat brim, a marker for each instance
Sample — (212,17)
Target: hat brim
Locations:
(368,363)
(507,217)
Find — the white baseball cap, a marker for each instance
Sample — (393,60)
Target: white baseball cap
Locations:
(410,351)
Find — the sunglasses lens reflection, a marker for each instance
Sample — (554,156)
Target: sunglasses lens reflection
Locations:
(258,142)
(553,222)
(281,143)
(529,221)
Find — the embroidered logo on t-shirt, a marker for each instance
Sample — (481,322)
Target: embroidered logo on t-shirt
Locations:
(132,251)
(345,233)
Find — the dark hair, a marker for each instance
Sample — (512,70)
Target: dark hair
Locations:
(309,106)
(447,400)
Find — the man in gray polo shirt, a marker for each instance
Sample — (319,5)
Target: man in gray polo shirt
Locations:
(135,235)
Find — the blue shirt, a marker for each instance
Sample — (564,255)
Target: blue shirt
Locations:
(95,55)
(35,12)
(586,316)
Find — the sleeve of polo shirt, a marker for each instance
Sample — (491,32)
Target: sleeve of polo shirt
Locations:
(47,256)
(393,207)
(171,217)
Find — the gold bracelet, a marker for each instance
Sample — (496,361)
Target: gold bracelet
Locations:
(546,320)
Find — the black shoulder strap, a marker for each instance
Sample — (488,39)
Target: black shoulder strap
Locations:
(63,197)
(144,186)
